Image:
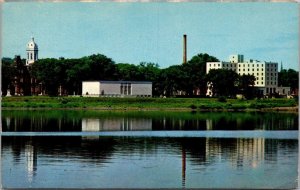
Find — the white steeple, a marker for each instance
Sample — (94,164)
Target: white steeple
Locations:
(32,52)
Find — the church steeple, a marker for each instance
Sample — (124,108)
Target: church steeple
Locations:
(281,67)
(32,52)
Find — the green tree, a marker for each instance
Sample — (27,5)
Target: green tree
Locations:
(223,82)
(172,80)
(50,73)
(7,74)
(289,78)
(246,85)
(126,71)
(196,71)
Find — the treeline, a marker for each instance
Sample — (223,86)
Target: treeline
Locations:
(184,79)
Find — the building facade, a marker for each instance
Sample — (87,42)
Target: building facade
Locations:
(117,88)
(266,73)
(24,84)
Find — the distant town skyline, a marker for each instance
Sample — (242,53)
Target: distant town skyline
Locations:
(153,32)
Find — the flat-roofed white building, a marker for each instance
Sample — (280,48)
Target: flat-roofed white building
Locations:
(117,88)
(266,73)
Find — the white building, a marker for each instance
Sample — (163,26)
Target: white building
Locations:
(266,73)
(117,88)
(32,52)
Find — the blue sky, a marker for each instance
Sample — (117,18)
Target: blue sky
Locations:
(152,32)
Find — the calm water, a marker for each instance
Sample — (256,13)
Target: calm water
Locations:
(149,150)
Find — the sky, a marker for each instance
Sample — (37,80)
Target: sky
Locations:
(153,32)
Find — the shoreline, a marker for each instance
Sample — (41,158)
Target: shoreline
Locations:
(274,109)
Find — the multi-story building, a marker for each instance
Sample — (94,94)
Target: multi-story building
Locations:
(266,73)
(24,84)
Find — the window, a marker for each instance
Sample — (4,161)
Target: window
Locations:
(267,83)
(262,82)
(243,69)
(257,83)
(262,69)
(252,69)
(125,88)
(214,65)
(248,69)
(223,65)
(271,74)
(239,69)
(271,78)
(31,56)
(275,74)
(218,65)
(262,78)
(271,83)
(257,74)
(210,65)
(257,65)
(267,78)
(274,83)
(257,69)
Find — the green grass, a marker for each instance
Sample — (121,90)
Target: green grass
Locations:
(142,103)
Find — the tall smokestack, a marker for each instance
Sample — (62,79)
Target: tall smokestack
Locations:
(184,48)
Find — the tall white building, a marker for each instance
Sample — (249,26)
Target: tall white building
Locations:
(32,52)
(266,73)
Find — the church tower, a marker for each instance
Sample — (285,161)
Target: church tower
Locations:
(32,52)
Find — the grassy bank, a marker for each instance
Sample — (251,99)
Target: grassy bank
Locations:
(143,103)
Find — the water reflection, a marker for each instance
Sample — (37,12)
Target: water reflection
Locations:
(198,156)
(116,124)
(72,121)
(31,160)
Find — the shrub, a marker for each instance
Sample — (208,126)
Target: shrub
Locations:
(222,99)
(193,106)
(64,101)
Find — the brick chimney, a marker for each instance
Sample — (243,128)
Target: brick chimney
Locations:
(184,48)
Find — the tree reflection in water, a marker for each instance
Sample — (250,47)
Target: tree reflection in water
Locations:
(69,121)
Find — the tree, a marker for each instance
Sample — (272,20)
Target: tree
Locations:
(126,71)
(171,80)
(50,73)
(289,78)
(246,85)
(197,71)
(7,74)
(223,82)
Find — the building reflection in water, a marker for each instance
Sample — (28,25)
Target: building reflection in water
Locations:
(31,160)
(239,151)
(195,153)
(116,124)
(36,122)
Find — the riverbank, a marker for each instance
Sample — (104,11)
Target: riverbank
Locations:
(179,104)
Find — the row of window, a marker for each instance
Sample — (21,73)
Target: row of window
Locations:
(243,65)
(252,69)
(267,83)
(252,65)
